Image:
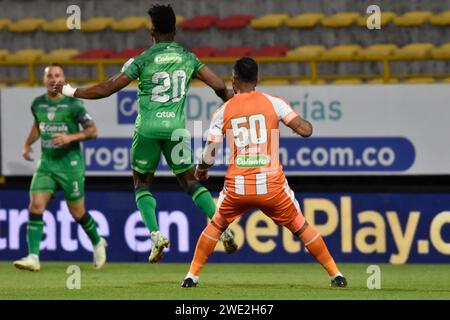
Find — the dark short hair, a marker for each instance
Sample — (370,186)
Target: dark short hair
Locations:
(246,70)
(163,18)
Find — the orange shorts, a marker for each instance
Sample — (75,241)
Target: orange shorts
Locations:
(280,205)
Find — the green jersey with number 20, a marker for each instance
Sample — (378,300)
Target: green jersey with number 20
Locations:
(164,71)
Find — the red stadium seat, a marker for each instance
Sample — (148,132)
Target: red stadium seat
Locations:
(199,23)
(128,53)
(101,53)
(204,51)
(234,22)
(235,52)
(271,51)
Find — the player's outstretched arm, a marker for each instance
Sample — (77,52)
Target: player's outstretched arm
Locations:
(301,126)
(89,132)
(208,158)
(206,75)
(98,91)
(32,137)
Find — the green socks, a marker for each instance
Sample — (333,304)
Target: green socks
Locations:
(35,230)
(202,199)
(89,226)
(147,206)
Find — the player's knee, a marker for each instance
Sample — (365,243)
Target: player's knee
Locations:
(220,221)
(36,207)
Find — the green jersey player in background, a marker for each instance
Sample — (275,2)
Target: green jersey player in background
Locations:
(164,72)
(56,121)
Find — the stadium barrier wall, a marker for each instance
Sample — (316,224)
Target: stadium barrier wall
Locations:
(395,228)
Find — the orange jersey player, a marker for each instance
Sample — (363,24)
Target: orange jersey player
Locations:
(255,178)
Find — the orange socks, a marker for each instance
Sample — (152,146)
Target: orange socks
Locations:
(317,247)
(205,246)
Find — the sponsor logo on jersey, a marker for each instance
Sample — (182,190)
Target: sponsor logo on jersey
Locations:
(168,58)
(165,114)
(43,106)
(252,161)
(62,106)
(53,127)
(51,115)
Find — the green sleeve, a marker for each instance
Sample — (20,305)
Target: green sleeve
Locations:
(79,112)
(133,68)
(197,64)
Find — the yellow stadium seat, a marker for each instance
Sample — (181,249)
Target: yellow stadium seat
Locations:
(57,25)
(442,52)
(341,19)
(305,20)
(341,52)
(96,24)
(269,21)
(382,81)
(274,82)
(58,55)
(377,51)
(24,56)
(348,81)
(180,20)
(413,18)
(446,80)
(23,84)
(386,17)
(3,54)
(130,24)
(424,80)
(4,22)
(441,19)
(307,82)
(309,52)
(414,51)
(26,25)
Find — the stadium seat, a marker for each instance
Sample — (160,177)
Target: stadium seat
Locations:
(382,81)
(271,51)
(340,19)
(413,18)
(420,80)
(441,19)
(57,25)
(130,24)
(235,52)
(58,55)
(347,81)
(270,21)
(128,53)
(446,80)
(101,53)
(377,51)
(26,25)
(199,23)
(25,56)
(305,20)
(274,82)
(308,52)
(341,52)
(386,17)
(3,54)
(442,52)
(4,22)
(204,51)
(234,22)
(414,51)
(96,24)
(308,82)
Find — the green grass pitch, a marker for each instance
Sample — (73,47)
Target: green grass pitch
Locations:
(223,281)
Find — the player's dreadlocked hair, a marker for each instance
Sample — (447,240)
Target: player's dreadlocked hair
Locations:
(163,18)
(246,70)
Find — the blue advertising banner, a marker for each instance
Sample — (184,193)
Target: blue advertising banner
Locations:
(357,227)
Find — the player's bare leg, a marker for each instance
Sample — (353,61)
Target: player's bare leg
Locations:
(83,218)
(38,203)
(203,200)
(147,206)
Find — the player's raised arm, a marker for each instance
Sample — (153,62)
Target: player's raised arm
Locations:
(206,75)
(32,137)
(98,91)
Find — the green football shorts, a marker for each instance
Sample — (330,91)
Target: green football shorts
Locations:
(146,152)
(72,184)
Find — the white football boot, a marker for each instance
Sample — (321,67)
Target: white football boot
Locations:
(159,243)
(99,254)
(30,263)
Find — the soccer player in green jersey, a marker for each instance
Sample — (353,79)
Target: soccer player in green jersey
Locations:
(56,122)
(164,72)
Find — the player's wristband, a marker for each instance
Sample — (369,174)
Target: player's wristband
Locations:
(68,91)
